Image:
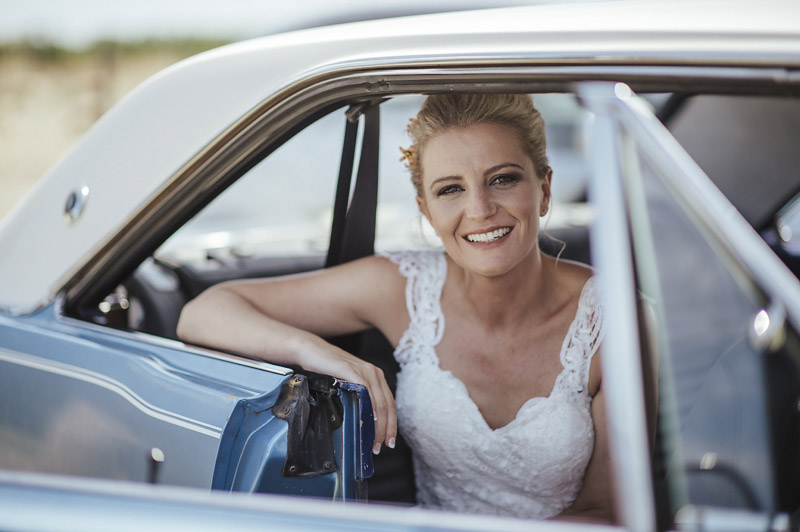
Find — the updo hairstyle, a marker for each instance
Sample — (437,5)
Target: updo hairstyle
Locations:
(442,112)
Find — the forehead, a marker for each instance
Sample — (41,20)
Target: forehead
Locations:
(472,149)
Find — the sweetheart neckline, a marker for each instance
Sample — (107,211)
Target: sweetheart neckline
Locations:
(477,410)
(561,355)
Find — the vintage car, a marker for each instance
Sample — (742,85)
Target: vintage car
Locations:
(673,136)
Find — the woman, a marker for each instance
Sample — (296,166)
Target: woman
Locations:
(503,406)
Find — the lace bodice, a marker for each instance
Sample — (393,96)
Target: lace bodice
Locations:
(533,466)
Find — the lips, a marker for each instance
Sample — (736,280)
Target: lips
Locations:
(489,236)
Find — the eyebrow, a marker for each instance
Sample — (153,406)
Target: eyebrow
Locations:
(485,173)
(497,167)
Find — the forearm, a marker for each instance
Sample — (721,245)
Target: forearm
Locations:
(222,319)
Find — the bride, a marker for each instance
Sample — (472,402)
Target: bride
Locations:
(500,392)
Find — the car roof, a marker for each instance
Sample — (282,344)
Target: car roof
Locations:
(129,155)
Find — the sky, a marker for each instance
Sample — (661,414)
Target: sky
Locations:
(79,23)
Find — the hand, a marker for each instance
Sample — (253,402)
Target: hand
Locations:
(326,358)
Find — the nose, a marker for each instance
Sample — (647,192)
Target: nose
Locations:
(479,204)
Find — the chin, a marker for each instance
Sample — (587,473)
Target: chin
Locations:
(491,262)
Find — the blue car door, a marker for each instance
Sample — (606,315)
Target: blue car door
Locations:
(82,399)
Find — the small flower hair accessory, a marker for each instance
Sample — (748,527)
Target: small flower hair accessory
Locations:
(408,156)
(408,153)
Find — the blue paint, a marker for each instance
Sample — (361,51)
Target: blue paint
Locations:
(364,432)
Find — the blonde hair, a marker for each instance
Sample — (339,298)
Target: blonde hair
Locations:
(441,112)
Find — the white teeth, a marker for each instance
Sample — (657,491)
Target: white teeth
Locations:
(490,236)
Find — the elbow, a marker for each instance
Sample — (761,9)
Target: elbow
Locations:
(184,329)
(194,317)
(201,316)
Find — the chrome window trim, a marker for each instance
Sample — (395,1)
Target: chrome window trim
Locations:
(621,358)
(259,131)
(615,110)
(657,57)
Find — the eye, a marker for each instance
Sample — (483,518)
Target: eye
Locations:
(448,189)
(505,179)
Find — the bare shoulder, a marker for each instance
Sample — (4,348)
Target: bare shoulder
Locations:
(371,283)
(381,287)
(380,269)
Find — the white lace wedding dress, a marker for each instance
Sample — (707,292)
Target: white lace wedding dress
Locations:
(534,466)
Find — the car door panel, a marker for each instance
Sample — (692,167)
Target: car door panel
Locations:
(107,408)
(110,397)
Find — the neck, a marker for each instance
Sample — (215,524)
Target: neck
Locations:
(509,299)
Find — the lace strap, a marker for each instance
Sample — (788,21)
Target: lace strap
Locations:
(426,272)
(583,339)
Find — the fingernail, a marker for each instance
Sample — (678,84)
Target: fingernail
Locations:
(376,449)
(390,443)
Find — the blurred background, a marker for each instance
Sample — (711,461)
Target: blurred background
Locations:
(63,63)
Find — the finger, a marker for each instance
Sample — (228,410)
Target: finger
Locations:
(381,398)
(379,409)
(391,418)
(387,412)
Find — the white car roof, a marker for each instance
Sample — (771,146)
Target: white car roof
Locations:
(154,131)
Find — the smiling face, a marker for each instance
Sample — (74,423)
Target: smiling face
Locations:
(481,194)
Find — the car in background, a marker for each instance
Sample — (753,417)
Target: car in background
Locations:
(672,142)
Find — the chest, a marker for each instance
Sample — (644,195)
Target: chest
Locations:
(547,437)
(502,370)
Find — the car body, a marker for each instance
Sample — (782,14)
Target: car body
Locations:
(144,213)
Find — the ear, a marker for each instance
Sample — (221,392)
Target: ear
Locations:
(423,208)
(546,192)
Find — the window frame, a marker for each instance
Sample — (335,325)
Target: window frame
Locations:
(620,118)
(288,111)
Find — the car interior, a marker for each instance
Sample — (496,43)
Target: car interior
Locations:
(317,201)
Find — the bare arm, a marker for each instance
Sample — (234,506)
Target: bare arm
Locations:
(282,319)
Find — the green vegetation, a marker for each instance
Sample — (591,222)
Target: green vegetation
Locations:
(47,52)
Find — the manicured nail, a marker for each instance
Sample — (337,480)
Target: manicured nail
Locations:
(376,449)
(390,443)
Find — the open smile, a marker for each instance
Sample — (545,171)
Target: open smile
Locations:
(489,236)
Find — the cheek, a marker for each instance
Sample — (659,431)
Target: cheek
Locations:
(443,215)
(521,202)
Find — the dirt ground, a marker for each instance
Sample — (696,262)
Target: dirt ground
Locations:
(45,106)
